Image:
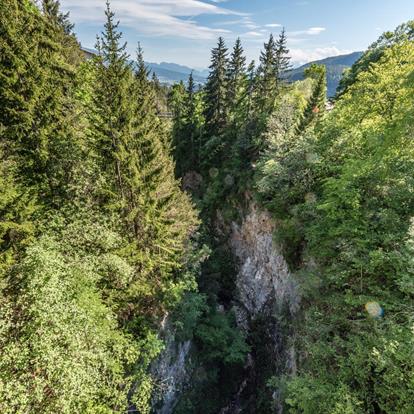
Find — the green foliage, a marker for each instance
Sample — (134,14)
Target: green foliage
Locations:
(95,233)
(58,339)
(316,103)
(220,340)
(216,90)
(347,204)
(374,53)
(187,315)
(188,126)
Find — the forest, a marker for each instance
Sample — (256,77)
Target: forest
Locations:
(252,254)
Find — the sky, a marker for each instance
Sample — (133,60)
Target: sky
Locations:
(184,31)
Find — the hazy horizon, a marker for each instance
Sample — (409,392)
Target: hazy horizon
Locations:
(184,31)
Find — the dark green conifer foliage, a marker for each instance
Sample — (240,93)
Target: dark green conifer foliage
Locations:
(176,102)
(35,81)
(113,112)
(156,81)
(51,9)
(251,85)
(316,104)
(161,214)
(282,57)
(268,75)
(216,91)
(237,85)
(190,106)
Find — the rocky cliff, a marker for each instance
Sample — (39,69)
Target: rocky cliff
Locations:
(265,301)
(264,283)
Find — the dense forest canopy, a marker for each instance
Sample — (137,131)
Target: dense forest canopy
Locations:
(113,221)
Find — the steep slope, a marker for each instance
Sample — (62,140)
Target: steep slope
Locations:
(335,67)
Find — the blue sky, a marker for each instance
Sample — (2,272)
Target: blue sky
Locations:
(183,31)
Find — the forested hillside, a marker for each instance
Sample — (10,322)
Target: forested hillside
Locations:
(254,255)
(339,188)
(95,231)
(335,68)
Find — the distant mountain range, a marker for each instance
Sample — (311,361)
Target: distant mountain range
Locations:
(335,67)
(171,73)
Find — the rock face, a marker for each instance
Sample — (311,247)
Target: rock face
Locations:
(170,371)
(266,296)
(263,282)
(266,292)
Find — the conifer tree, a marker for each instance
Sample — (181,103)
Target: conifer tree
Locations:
(237,87)
(236,78)
(112,106)
(267,77)
(156,81)
(216,91)
(282,57)
(51,9)
(178,101)
(34,105)
(161,215)
(190,106)
(316,104)
(251,85)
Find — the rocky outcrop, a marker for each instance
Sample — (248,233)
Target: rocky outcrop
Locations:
(266,297)
(171,371)
(265,291)
(264,283)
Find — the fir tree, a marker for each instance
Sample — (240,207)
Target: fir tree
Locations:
(316,104)
(112,106)
(216,91)
(142,71)
(155,82)
(51,9)
(35,105)
(267,81)
(236,79)
(282,62)
(177,101)
(251,85)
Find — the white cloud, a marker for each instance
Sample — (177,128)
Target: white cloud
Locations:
(253,34)
(315,30)
(154,17)
(312,31)
(301,56)
(273,25)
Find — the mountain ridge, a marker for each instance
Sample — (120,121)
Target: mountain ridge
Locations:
(335,66)
(170,73)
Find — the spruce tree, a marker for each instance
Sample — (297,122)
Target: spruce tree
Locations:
(251,86)
(155,82)
(51,9)
(282,62)
(178,101)
(216,91)
(190,104)
(35,105)
(187,132)
(267,81)
(236,77)
(316,104)
(237,94)
(159,212)
(113,110)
